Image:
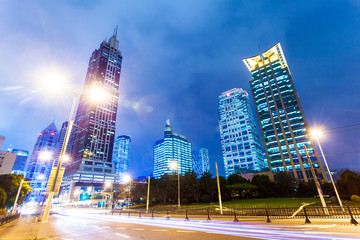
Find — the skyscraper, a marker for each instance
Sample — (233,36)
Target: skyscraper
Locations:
(200,161)
(121,155)
(59,144)
(39,169)
(239,139)
(282,121)
(92,137)
(173,148)
(20,162)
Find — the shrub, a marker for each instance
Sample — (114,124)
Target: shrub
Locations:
(355,198)
(205,198)
(333,199)
(3,198)
(184,201)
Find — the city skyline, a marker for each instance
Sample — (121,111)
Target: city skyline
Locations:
(178,70)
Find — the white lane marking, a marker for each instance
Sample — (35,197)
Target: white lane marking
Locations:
(97,227)
(138,229)
(122,235)
(184,231)
(121,228)
(159,230)
(67,238)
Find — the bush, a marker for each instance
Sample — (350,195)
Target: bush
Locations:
(3,198)
(205,198)
(184,201)
(355,198)
(333,199)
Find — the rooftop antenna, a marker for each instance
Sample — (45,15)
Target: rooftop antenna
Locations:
(115,31)
(260,53)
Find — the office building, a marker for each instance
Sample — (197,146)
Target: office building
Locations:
(7,159)
(282,121)
(172,154)
(20,162)
(2,139)
(39,168)
(59,145)
(241,146)
(200,161)
(121,154)
(93,133)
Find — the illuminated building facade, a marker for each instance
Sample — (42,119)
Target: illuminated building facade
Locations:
(241,147)
(38,170)
(121,155)
(20,162)
(200,159)
(92,137)
(282,121)
(173,148)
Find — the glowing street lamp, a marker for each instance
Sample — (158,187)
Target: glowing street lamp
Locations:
(318,134)
(96,93)
(175,167)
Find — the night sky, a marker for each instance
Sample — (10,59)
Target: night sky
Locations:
(178,57)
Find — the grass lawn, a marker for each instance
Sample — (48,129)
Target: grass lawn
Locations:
(249,203)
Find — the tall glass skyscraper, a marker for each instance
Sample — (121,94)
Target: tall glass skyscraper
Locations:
(239,139)
(121,155)
(173,148)
(92,137)
(282,121)
(200,159)
(39,169)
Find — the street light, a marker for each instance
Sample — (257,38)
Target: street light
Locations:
(317,134)
(96,93)
(175,166)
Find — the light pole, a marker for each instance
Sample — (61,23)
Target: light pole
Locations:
(148,195)
(218,185)
(175,166)
(97,94)
(317,134)
(127,180)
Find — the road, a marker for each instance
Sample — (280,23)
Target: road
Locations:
(74,225)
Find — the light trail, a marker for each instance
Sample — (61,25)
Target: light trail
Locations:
(250,230)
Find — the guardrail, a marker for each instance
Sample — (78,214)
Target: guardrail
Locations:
(347,212)
(8,218)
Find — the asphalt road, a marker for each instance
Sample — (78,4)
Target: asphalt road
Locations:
(74,225)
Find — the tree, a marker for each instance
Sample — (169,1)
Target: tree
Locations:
(348,184)
(10,184)
(208,185)
(265,187)
(236,178)
(3,198)
(285,184)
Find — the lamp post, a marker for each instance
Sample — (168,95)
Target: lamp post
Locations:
(218,185)
(127,180)
(175,166)
(148,195)
(317,134)
(97,94)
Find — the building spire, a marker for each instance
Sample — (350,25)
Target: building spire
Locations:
(115,31)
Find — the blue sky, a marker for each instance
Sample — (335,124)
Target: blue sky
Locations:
(179,56)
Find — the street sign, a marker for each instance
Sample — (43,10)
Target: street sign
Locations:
(52,180)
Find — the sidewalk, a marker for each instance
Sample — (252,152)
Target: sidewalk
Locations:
(23,228)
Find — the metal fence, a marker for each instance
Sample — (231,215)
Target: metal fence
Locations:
(8,218)
(306,213)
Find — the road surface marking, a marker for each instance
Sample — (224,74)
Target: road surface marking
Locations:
(159,230)
(67,238)
(106,227)
(122,235)
(97,227)
(138,229)
(184,231)
(121,228)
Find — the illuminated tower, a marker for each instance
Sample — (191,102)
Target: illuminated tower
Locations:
(92,137)
(282,121)
(39,169)
(200,159)
(121,155)
(239,137)
(172,148)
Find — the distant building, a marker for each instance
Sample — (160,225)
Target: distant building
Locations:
(121,154)
(282,121)
(239,139)
(20,162)
(39,169)
(174,148)
(7,159)
(200,161)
